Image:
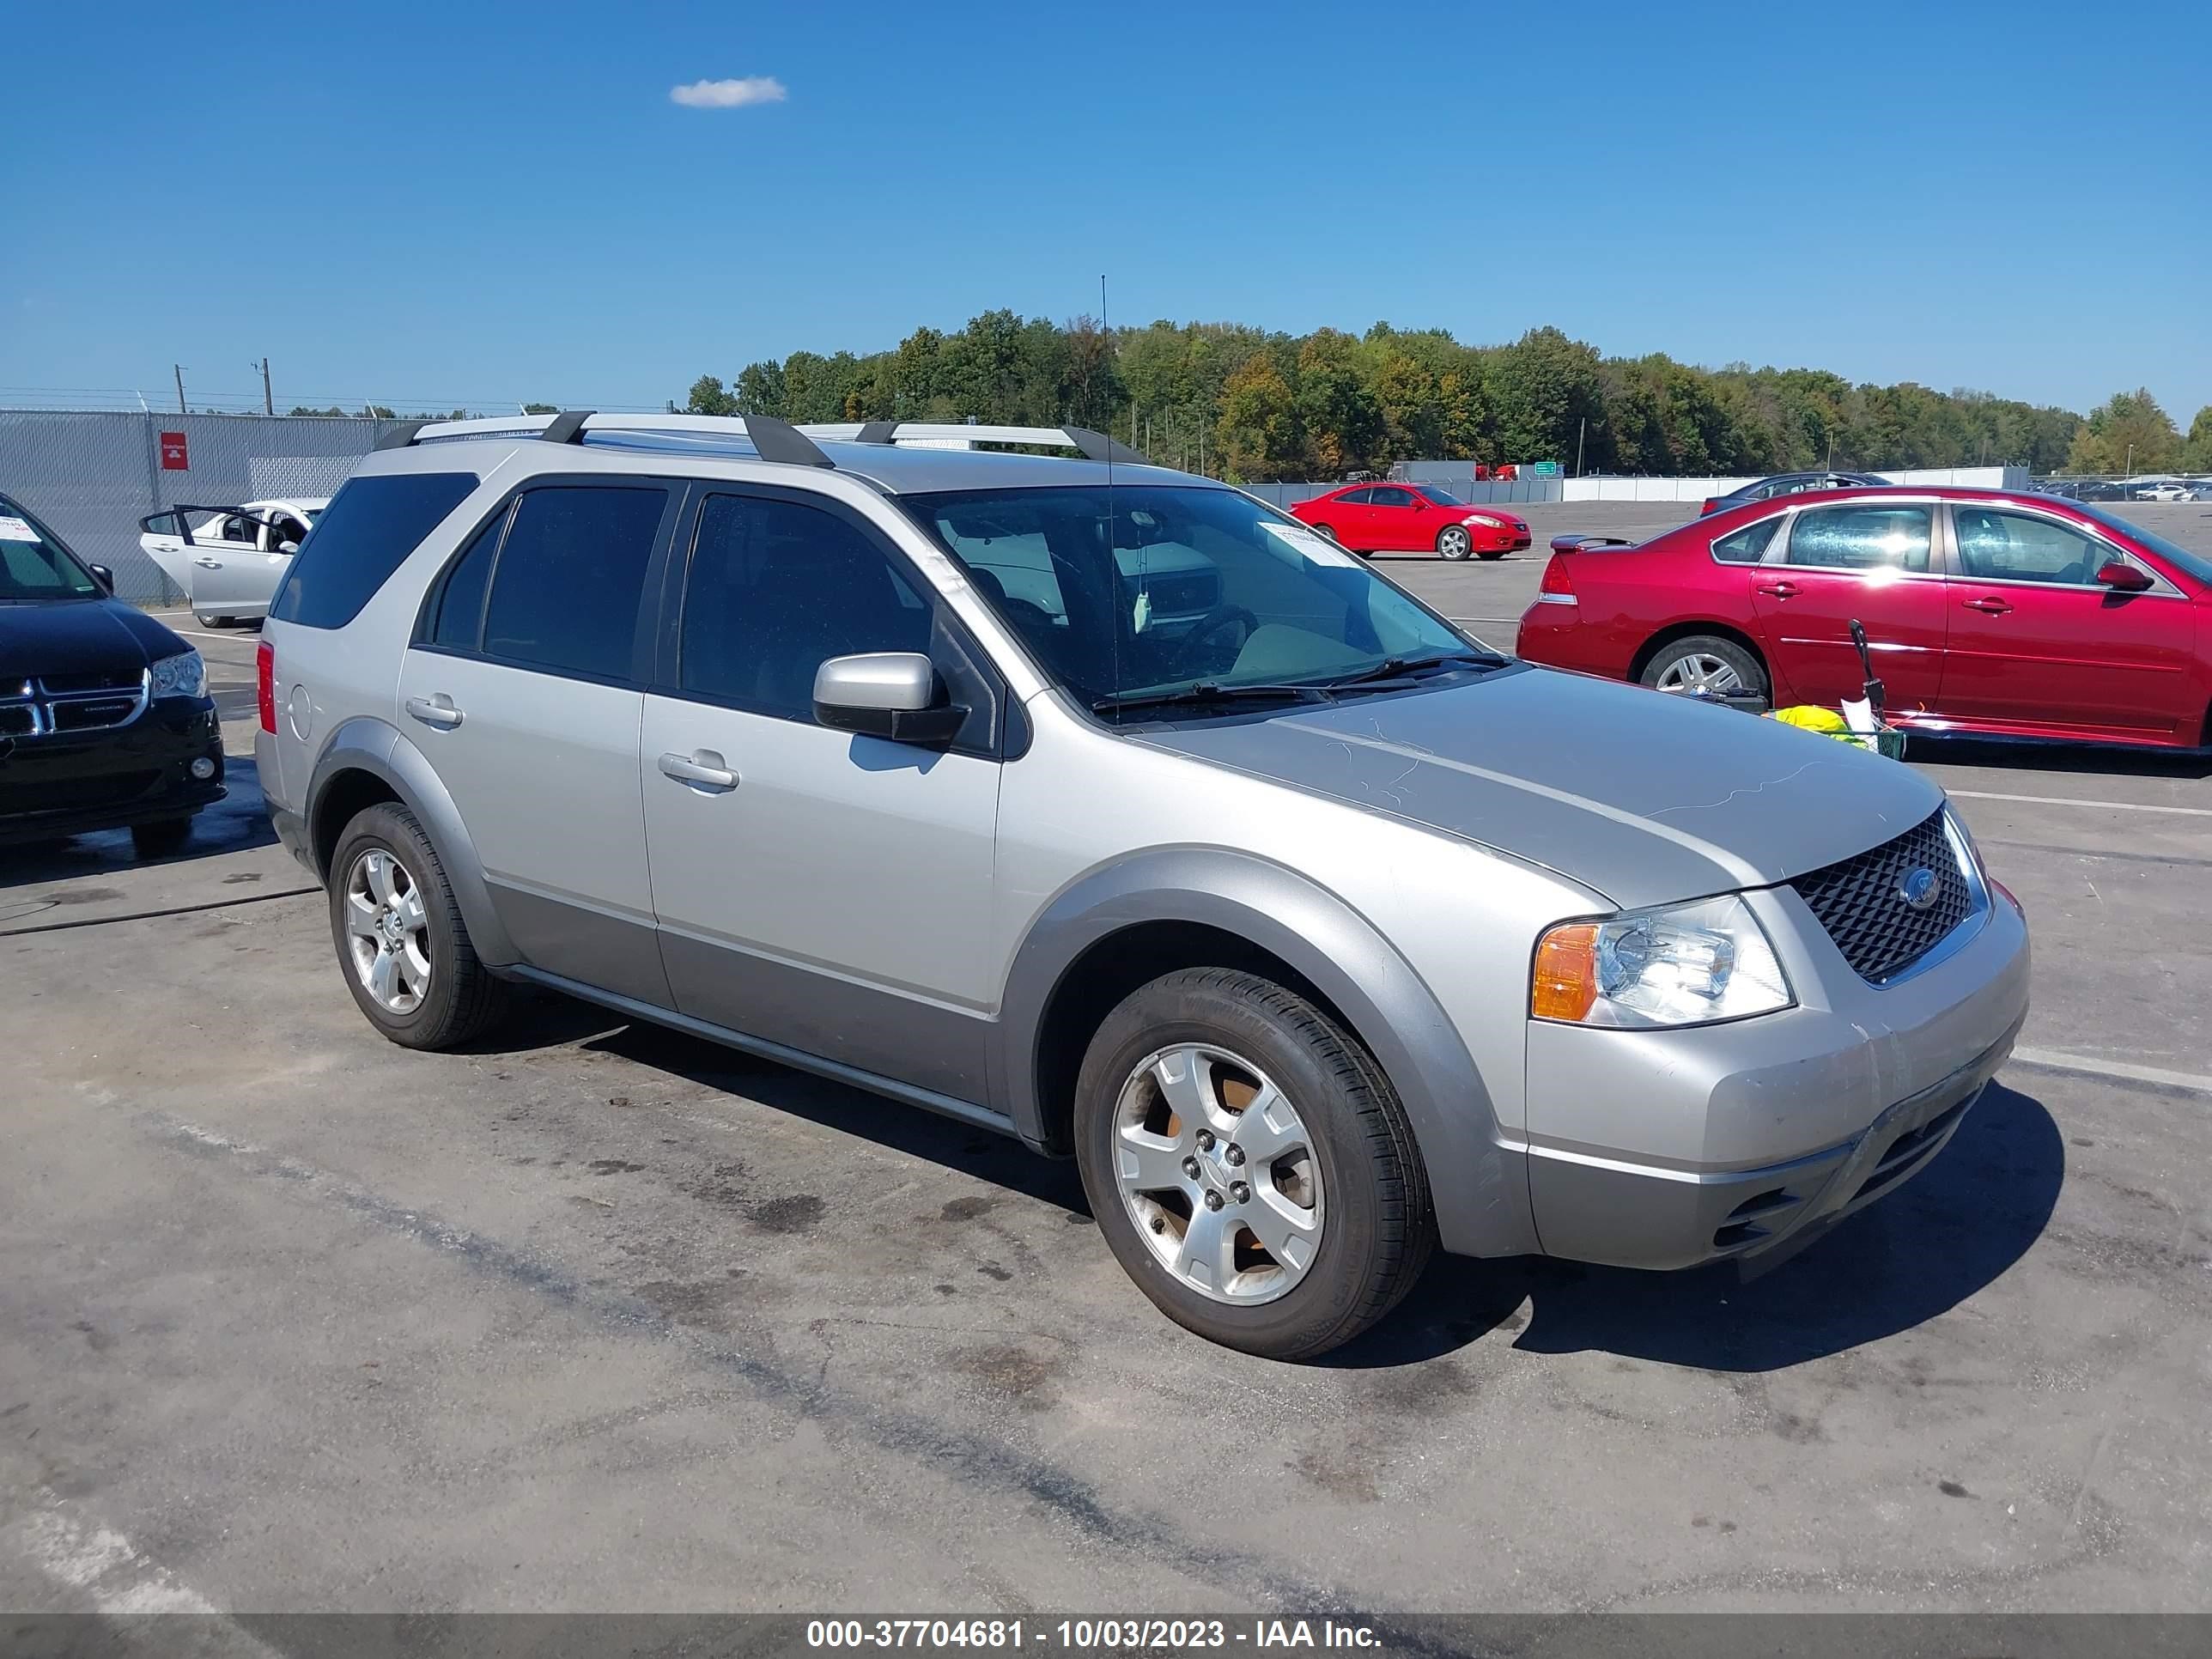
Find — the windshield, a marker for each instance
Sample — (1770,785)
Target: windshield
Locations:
(2196,564)
(1203,586)
(1441,497)
(34,565)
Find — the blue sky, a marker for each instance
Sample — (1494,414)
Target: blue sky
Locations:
(465,203)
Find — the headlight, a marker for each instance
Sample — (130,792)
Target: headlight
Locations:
(184,675)
(1483,519)
(1688,965)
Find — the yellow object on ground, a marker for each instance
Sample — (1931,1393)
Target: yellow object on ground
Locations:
(1813,718)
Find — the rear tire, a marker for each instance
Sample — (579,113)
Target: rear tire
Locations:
(158,840)
(401,941)
(210,621)
(1708,662)
(1495,554)
(1271,1099)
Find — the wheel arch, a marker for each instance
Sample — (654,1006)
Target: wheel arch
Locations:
(1683,630)
(1154,913)
(365,762)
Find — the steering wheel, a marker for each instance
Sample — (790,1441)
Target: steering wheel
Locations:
(1210,624)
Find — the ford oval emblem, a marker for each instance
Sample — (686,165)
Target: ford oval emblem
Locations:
(1918,887)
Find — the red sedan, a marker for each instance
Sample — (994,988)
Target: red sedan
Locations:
(1999,614)
(1387,518)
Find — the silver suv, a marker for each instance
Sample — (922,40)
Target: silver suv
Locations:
(1104,806)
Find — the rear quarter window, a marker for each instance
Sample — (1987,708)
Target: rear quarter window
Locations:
(365,534)
(1747,545)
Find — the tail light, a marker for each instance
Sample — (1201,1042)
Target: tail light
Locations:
(1557,587)
(1711,502)
(264,685)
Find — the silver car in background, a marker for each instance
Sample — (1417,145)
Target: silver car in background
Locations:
(1106,807)
(228,560)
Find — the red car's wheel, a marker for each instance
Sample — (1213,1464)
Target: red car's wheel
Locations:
(1454,542)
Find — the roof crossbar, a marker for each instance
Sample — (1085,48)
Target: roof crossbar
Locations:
(772,440)
(939,435)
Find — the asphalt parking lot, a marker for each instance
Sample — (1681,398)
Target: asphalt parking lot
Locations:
(602,1317)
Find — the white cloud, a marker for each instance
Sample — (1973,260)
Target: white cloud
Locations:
(729,95)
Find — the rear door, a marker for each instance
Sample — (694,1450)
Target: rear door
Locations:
(2037,643)
(229,567)
(1871,560)
(1396,522)
(523,687)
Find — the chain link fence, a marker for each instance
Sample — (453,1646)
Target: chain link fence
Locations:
(92,476)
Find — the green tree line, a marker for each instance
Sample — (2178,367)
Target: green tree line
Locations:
(1247,404)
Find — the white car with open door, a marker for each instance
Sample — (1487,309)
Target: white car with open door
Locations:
(228,560)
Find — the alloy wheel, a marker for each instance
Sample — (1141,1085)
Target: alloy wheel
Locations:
(1454,542)
(387,931)
(1218,1172)
(1698,673)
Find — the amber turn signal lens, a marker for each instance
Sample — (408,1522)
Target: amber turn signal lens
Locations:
(1565,984)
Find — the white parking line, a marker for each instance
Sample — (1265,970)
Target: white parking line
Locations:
(2056,1060)
(2073,800)
(116,1576)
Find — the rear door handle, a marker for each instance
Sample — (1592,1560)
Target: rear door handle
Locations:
(209,564)
(1779,590)
(437,710)
(702,766)
(1988,607)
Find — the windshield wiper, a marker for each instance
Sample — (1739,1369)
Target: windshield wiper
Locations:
(1395,668)
(1210,691)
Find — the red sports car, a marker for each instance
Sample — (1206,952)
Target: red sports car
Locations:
(1388,518)
(2000,615)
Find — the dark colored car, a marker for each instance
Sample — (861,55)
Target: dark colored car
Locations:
(1787,483)
(1993,613)
(1400,517)
(105,719)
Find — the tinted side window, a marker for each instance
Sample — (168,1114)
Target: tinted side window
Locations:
(565,594)
(1748,545)
(2018,547)
(360,540)
(1357,497)
(775,590)
(1393,497)
(456,618)
(1861,538)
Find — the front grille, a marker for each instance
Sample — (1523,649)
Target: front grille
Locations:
(16,720)
(1860,900)
(62,685)
(53,703)
(91,713)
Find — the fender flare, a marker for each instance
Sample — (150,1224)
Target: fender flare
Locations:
(365,743)
(1478,1180)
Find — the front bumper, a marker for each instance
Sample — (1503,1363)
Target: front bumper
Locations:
(1673,1148)
(71,784)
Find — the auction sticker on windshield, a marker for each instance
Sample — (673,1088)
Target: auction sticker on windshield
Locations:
(1310,545)
(13,529)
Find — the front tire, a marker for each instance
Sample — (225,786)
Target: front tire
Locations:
(401,938)
(1249,1165)
(1706,663)
(1454,542)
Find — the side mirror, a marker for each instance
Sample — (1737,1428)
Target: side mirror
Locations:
(104,576)
(2124,578)
(288,547)
(885,694)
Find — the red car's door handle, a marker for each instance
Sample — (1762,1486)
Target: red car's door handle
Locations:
(1988,606)
(1779,590)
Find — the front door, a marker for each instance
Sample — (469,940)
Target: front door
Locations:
(1396,521)
(230,567)
(523,690)
(1863,561)
(823,890)
(2037,643)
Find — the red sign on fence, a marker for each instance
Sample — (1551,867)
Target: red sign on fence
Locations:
(172,453)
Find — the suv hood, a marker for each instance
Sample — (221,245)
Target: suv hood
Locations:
(1641,796)
(79,636)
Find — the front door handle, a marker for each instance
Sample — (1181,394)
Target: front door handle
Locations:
(702,766)
(437,710)
(1988,606)
(209,564)
(1779,590)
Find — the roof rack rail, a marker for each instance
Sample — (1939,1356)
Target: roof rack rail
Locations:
(941,435)
(771,439)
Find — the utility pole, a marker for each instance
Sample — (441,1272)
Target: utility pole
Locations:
(1580,432)
(179,368)
(268,403)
